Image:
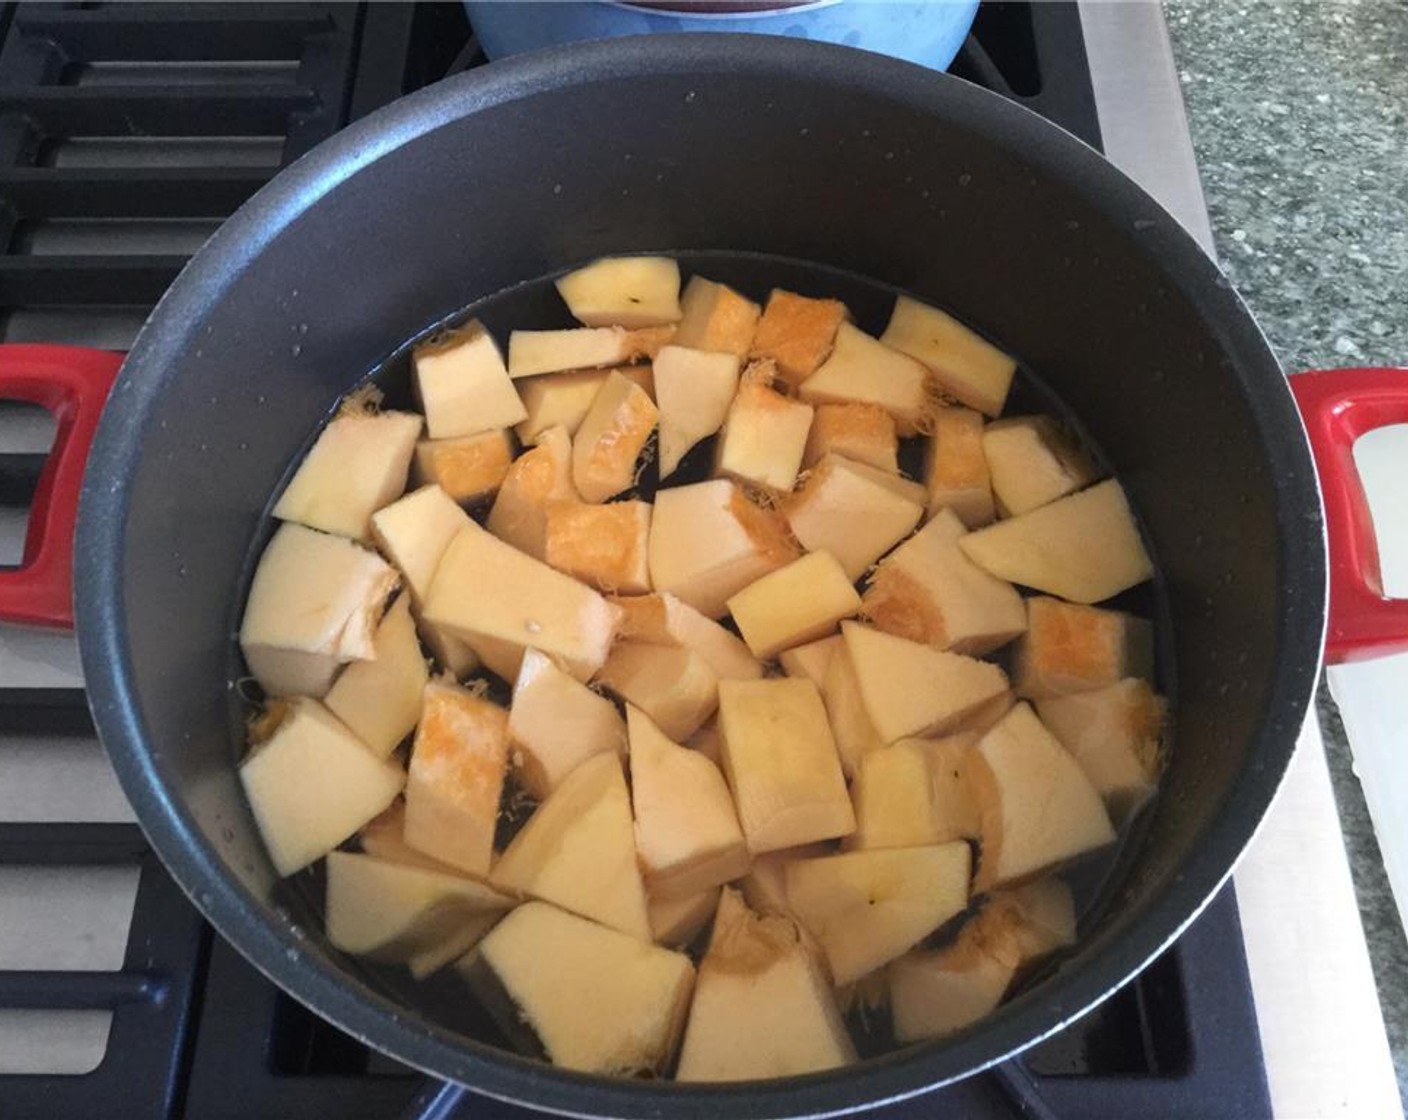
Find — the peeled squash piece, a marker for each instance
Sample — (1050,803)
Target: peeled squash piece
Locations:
(485,588)
(556,723)
(1084,547)
(763,438)
(854,511)
(810,660)
(851,725)
(358,464)
(781,763)
(762,1005)
(862,432)
(966,366)
(562,400)
(380,699)
(314,605)
(623,292)
(1073,648)
(795,604)
(1033,461)
(463,384)
(693,389)
(687,833)
(533,352)
(894,799)
(797,333)
(578,850)
(468,468)
(312,784)
(867,908)
(385,838)
(708,541)
(863,370)
(716,318)
(928,591)
(595,999)
(912,689)
(1037,809)
(536,480)
(611,438)
(675,922)
(456,777)
(673,685)
(395,913)
(956,470)
(604,546)
(665,620)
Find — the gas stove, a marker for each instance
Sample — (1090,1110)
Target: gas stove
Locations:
(127,133)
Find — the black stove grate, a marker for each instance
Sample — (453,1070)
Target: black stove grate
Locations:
(127,133)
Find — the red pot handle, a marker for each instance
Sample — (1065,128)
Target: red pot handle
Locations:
(1339,406)
(72,382)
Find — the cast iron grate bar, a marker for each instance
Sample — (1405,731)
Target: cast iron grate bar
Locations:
(129,192)
(195,110)
(100,280)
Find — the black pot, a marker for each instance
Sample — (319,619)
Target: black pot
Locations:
(698,143)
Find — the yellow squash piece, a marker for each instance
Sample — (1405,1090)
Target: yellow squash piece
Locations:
(762,1005)
(314,605)
(562,400)
(716,318)
(358,464)
(693,389)
(864,433)
(663,619)
(867,908)
(862,370)
(531,353)
(795,604)
(380,699)
(675,922)
(556,723)
(578,850)
(966,366)
(1033,461)
(468,468)
(781,764)
(458,763)
(956,470)
(604,546)
(763,437)
(597,1000)
(797,333)
(536,480)
(1072,648)
(484,588)
(854,511)
(1084,547)
(611,438)
(623,292)
(708,541)
(850,721)
(312,784)
(673,685)
(463,384)
(687,833)
(1037,809)
(810,660)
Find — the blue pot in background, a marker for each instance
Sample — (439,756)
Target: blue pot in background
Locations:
(928,32)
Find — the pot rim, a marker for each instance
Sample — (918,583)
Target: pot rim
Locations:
(273,942)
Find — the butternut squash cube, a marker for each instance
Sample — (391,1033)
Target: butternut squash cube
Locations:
(1114,733)
(1084,547)
(716,318)
(531,353)
(562,400)
(578,850)
(463,384)
(673,685)
(538,478)
(955,468)
(965,365)
(1072,648)
(911,689)
(708,541)
(850,721)
(393,912)
(661,619)
(675,922)
(687,833)
(864,433)
(694,389)
(597,1000)
(556,723)
(1033,461)
(781,764)
(861,370)
(894,799)
(380,699)
(604,546)
(456,777)
(928,591)
(469,468)
(312,784)
(314,605)
(810,660)
(763,438)
(854,511)
(484,588)
(795,604)
(623,292)
(358,464)
(797,333)
(762,1005)
(867,908)
(955,808)
(1036,807)
(611,438)
(384,838)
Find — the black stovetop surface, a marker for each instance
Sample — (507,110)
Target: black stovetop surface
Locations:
(148,124)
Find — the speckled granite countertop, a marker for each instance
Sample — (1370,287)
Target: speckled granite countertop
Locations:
(1299,116)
